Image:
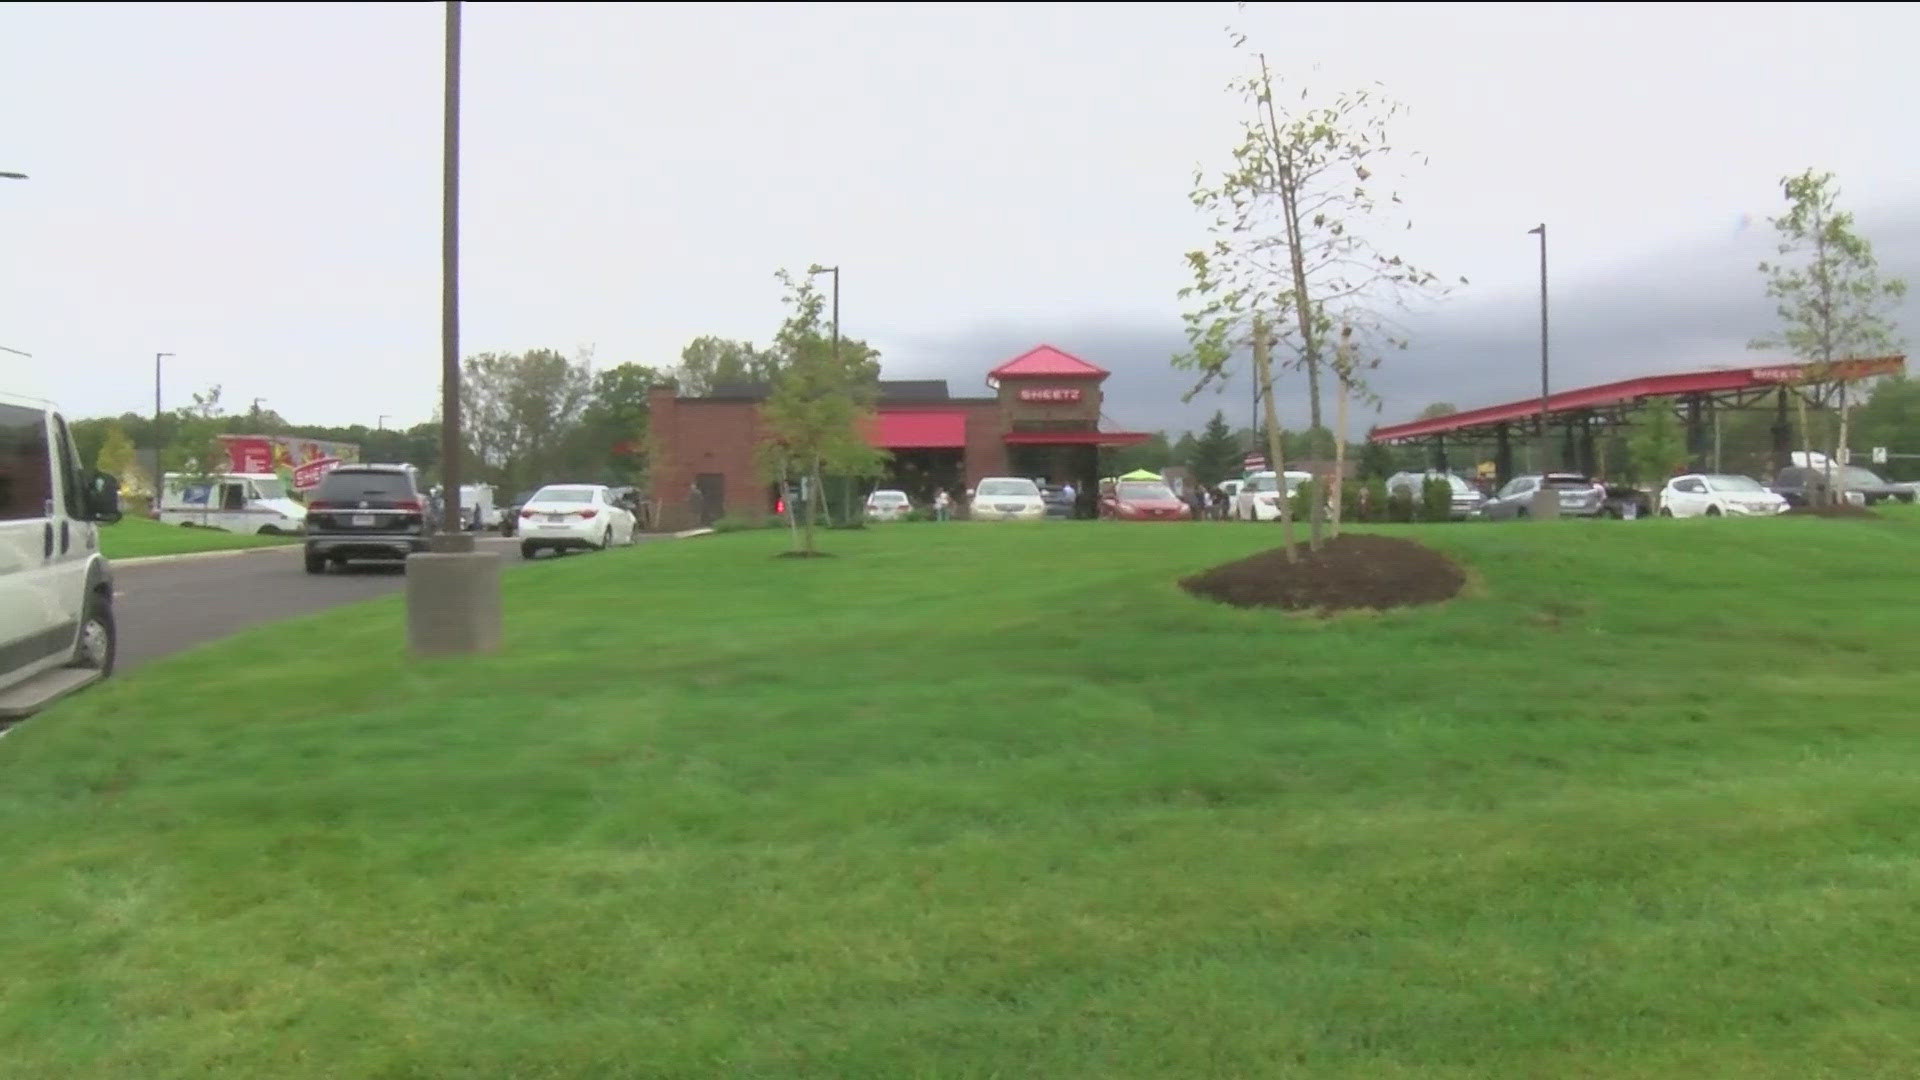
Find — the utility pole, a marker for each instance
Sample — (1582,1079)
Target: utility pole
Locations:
(450,435)
(159,445)
(1540,230)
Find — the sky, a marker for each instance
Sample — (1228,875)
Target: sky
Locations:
(255,188)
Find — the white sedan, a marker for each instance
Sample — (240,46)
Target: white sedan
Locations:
(889,505)
(1709,495)
(1259,496)
(1007,498)
(583,517)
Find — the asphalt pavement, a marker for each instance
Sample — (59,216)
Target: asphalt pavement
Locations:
(165,607)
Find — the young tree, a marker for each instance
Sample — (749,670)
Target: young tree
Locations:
(1216,453)
(1292,252)
(1656,447)
(821,404)
(1832,302)
(197,453)
(116,459)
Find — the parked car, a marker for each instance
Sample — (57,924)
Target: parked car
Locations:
(1627,503)
(1259,496)
(888,505)
(1142,500)
(57,632)
(510,513)
(1716,495)
(375,512)
(235,502)
(1580,496)
(1467,499)
(1863,487)
(573,517)
(1006,498)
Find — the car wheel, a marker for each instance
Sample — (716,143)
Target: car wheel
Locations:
(99,642)
(1520,513)
(316,564)
(1666,511)
(606,539)
(528,551)
(1713,511)
(269,530)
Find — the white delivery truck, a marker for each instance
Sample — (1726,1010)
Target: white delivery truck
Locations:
(235,502)
(477,508)
(56,590)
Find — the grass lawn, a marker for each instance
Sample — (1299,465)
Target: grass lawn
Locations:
(1001,801)
(137,538)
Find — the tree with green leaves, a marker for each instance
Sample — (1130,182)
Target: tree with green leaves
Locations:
(610,441)
(1656,445)
(709,361)
(1831,300)
(197,454)
(521,411)
(116,459)
(1292,255)
(822,401)
(1216,452)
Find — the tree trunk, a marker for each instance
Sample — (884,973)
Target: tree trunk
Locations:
(1806,446)
(1840,453)
(1276,455)
(1341,364)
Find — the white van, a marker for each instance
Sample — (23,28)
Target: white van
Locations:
(56,591)
(235,502)
(476,506)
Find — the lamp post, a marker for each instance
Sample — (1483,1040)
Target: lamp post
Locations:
(159,445)
(1540,230)
(13,176)
(382,422)
(453,591)
(846,506)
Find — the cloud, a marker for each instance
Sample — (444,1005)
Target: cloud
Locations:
(1695,306)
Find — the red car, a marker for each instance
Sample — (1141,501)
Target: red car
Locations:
(1142,500)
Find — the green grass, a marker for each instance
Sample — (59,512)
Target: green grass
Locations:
(139,538)
(1000,801)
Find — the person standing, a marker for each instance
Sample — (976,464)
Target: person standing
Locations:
(1072,495)
(1197,499)
(942,503)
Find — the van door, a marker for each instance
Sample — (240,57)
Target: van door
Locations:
(35,630)
(230,506)
(75,535)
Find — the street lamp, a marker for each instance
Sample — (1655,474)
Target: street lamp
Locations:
(1540,230)
(13,176)
(16,352)
(382,422)
(816,269)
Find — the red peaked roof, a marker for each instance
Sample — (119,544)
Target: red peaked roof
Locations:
(1047,362)
(919,431)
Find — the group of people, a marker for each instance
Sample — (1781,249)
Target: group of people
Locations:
(1207,503)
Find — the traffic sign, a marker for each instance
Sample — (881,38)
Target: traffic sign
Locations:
(1879,455)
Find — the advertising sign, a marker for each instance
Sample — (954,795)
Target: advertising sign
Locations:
(1050,394)
(287,455)
(308,476)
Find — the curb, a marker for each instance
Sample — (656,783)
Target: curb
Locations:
(189,556)
(690,533)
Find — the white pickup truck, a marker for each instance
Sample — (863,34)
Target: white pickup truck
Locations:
(56,590)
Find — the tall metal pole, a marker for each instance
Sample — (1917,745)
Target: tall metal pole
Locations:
(450,436)
(1540,230)
(158,445)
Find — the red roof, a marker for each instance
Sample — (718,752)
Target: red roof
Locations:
(920,431)
(1720,381)
(1047,362)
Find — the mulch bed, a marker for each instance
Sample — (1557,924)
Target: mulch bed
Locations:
(1832,512)
(1356,570)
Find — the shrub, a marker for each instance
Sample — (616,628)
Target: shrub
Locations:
(1351,496)
(1376,499)
(1400,505)
(1436,500)
(1303,498)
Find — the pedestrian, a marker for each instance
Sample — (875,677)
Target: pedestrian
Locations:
(1197,500)
(1072,495)
(942,504)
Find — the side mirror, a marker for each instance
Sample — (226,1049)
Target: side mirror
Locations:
(103,498)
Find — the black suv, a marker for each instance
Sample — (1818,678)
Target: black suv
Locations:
(366,512)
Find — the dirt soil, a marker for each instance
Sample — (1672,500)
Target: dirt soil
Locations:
(1354,571)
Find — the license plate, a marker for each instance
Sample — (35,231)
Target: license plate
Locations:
(556,518)
(362,521)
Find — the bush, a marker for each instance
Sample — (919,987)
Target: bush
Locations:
(1436,500)
(1351,496)
(1400,506)
(1375,499)
(1303,499)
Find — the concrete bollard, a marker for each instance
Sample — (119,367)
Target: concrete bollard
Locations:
(453,599)
(1546,504)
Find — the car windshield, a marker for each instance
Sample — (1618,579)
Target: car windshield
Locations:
(1269,484)
(270,489)
(353,484)
(563,495)
(1568,480)
(1001,488)
(888,498)
(1144,489)
(1734,483)
(1860,477)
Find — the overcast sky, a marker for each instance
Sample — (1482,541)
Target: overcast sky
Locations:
(255,187)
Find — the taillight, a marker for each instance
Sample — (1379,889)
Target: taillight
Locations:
(526,513)
(410,504)
(320,504)
(588,513)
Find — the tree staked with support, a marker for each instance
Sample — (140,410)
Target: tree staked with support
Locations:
(1292,257)
(1832,302)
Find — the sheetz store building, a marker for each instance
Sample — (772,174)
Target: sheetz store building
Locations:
(1041,420)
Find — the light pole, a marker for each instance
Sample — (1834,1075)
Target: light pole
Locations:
(846,505)
(382,422)
(1540,230)
(453,590)
(13,176)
